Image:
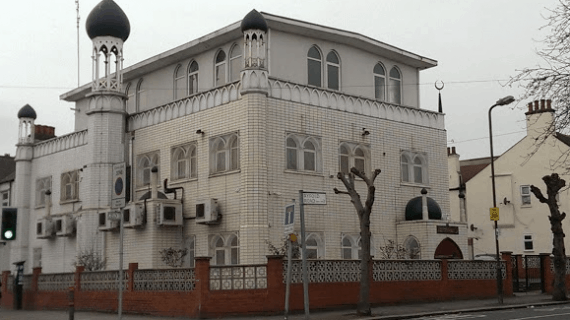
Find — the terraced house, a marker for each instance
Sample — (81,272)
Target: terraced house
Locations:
(218,135)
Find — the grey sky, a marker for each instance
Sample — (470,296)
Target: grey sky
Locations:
(478,44)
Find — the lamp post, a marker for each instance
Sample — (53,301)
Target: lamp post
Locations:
(501,102)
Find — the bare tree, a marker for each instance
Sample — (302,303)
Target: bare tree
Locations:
(553,184)
(363,212)
(549,80)
(90,260)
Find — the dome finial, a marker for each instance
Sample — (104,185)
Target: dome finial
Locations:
(253,20)
(27,112)
(108,19)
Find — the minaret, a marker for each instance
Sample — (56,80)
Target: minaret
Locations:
(253,142)
(19,248)
(108,27)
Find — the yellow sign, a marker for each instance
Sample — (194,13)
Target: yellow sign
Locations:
(494,214)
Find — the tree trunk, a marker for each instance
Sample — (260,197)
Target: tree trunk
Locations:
(363,307)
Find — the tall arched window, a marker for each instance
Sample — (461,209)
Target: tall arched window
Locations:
(140,96)
(145,162)
(193,78)
(309,156)
(219,251)
(131,103)
(351,247)
(179,82)
(354,155)
(414,167)
(224,153)
(314,66)
(379,82)
(291,154)
(236,62)
(333,71)
(313,246)
(395,86)
(184,162)
(225,250)
(344,159)
(412,246)
(220,71)
(70,185)
(303,153)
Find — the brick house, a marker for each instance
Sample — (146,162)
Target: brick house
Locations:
(237,122)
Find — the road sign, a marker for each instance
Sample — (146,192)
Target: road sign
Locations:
(289,218)
(318,198)
(494,214)
(119,186)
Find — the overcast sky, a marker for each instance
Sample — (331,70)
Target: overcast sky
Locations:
(478,44)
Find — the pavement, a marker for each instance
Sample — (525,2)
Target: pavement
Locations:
(389,312)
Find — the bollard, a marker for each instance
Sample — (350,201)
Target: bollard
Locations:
(71,298)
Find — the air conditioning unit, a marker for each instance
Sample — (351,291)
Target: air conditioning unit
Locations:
(134,216)
(44,228)
(169,214)
(207,212)
(105,223)
(64,226)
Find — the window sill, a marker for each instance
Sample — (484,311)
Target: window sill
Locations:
(223,173)
(146,187)
(68,201)
(307,173)
(526,205)
(412,184)
(181,181)
(41,206)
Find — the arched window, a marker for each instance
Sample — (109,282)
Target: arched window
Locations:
(145,163)
(291,154)
(351,247)
(220,71)
(333,71)
(224,153)
(414,167)
(354,155)
(395,86)
(412,247)
(379,82)
(236,62)
(70,186)
(314,66)
(225,250)
(131,103)
(179,82)
(314,246)
(193,78)
(303,153)
(140,100)
(184,162)
(42,185)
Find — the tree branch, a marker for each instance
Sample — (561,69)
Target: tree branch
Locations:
(537,193)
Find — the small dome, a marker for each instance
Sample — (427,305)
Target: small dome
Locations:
(253,20)
(27,112)
(414,209)
(108,19)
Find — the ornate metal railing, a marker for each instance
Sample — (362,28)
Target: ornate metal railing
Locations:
(164,280)
(238,277)
(102,280)
(529,262)
(406,270)
(474,270)
(324,271)
(56,281)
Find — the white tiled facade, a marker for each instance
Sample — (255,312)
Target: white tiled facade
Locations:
(262,108)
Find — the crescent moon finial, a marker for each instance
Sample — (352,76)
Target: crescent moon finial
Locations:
(439,88)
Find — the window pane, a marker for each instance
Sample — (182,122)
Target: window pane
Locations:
(525,190)
(193,83)
(394,73)
(333,77)
(311,242)
(235,66)
(221,74)
(220,257)
(332,57)
(234,256)
(181,169)
(344,164)
(221,161)
(378,69)
(314,53)
(312,253)
(526,200)
(193,67)
(380,88)
(405,173)
(309,146)
(234,159)
(346,242)
(418,175)
(395,91)
(146,176)
(219,243)
(309,161)
(347,253)
(292,159)
(193,167)
(359,164)
(314,72)
(222,57)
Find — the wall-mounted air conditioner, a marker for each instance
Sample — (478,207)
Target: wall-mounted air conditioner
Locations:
(169,214)
(44,228)
(105,223)
(208,212)
(64,226)
(134,216)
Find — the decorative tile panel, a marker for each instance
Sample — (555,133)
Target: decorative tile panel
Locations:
(406,270)
(56,281)
(324,271)
(530,262)
(165,280)
(474,270)
(238,277)
(10,284)
(102,281)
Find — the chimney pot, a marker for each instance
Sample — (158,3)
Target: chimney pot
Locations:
(529,107)
(448,151)
(453,150)
(536,105)
(549,104)
(542,104)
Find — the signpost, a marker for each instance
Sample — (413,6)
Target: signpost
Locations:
(311,198)
(118,192)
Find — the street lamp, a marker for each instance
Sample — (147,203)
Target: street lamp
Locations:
(501,102)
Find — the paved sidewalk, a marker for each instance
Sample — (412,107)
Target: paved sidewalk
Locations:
(393,312)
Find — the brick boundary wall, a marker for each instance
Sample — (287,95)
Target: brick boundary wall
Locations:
(205,303)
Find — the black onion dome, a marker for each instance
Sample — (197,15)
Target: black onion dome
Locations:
(253,20)
(27,112)
(108,19)
(414,209)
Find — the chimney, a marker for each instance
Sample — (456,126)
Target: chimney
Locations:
(539,119)
(44,132)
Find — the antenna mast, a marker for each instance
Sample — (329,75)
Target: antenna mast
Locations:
(78,68)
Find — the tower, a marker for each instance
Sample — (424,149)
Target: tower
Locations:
(24,155)
(108,27)
(254,76)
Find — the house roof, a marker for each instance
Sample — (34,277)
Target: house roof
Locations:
(233,31)
(469,171)
(7,168)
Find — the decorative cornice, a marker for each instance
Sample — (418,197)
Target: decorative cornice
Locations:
(62,143)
